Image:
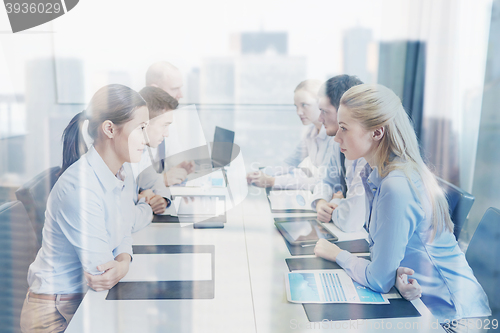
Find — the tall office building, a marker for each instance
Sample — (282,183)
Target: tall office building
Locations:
(486,176)
(217,80)
(439,147)
(265,73)
(49,109)
(12,140)
(402,68)
(261,72)
(268,79)
(258,82)
(392,63)
(356,42)
(193,86)
(263,42)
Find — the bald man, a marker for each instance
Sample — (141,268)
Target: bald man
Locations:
(167,77)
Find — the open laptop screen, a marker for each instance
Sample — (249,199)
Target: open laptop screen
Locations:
(223,147)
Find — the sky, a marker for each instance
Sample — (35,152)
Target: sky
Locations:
(129,35)
(126,36)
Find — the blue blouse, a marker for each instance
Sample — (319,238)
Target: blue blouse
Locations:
(400,235)
(84,227)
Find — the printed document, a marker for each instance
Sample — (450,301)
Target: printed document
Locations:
(290,199)
(328,286)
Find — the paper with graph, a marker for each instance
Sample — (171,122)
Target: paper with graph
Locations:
(328,286)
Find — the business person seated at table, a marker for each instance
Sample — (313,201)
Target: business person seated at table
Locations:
(149,182)
(409,222)
(315,145)
(154,196)
(343,176)
(86,238)
(167,77)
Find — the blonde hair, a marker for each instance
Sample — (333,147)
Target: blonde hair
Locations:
(311,86)
(375,106)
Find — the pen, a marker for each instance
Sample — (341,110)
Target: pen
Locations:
(305,245)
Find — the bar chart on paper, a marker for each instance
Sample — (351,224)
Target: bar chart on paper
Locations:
(328,286)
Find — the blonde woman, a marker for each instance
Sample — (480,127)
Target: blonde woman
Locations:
(409,223)
(316,146)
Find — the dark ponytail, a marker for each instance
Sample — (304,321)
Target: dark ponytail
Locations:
(73,144)
(114,102)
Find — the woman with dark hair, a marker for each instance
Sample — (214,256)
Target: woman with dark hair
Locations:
(85,239)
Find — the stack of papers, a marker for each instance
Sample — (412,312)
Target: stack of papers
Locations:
(328,286)
(214,179)
(200,206)
(281,200)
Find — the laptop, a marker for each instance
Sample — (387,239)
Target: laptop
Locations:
(222,149)
(219,157)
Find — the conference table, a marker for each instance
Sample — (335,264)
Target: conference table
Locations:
(244,266)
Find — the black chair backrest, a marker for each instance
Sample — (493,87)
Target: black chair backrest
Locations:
(18,246)
(460,203)
(483,256)
(34,195)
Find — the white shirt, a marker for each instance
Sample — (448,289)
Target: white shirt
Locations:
(185,133)
(313,152)
(85,226)
(352,212)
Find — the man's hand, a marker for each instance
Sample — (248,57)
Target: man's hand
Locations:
(408,288)
(326,250)
(174,176)
(338,195)
(113,270)
(158,204)
(325,210)
(188,200)
(260,179)
(186,165)
(147,195)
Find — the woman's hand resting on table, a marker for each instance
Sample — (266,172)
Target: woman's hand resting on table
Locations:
(408,288)
(113,270)
(326,250)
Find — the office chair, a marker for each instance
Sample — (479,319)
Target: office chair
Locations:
(34,195)
(459,202)
(483,255)
(18,246)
